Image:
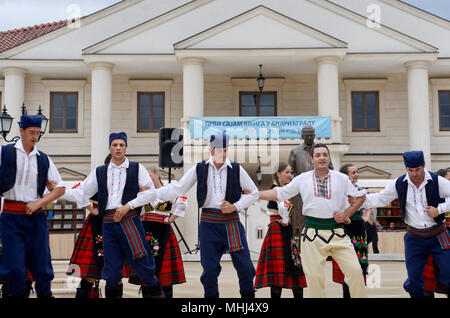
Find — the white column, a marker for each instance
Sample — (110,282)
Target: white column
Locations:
(14,96)
(193,86)
(193,97)
(100,111)
(419,108)
(328,93)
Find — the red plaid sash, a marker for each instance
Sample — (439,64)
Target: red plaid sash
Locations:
(153,217)
(16,207)
(130,230)
(231,223)
(439,230)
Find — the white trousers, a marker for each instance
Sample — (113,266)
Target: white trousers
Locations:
(314,255)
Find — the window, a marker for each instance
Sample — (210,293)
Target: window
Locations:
(444,110)
(255,104)
(259,233)
(365,111)
(63,112)
(150,115)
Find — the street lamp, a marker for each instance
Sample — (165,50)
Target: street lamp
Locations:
(259,175)
(44,122)
(6,122)
(260,79)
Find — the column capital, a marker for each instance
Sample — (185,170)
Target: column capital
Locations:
(101,66)
(329,59)
(419,64)
(14,71)
(193,61)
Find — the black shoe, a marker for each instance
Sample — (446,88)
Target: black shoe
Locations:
(84,289)
(152,292)
(248,295)
(114,293)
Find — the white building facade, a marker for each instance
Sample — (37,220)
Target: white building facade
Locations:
(379,68)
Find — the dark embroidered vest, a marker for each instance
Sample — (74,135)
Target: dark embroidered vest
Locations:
(131,185)
(8,170)
(233,191)
(431,190)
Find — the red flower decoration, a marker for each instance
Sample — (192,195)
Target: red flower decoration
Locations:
(148,237)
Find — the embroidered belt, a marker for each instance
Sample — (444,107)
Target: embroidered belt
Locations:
(153,217)
(130,231)
(231,222)
(275,218)
(16,208)
(439,230)
(321,224)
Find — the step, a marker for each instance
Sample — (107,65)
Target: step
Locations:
(67,282)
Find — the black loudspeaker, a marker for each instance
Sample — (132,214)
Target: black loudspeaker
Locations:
(171,148)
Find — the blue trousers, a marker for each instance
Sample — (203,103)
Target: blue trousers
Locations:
(213,244)
(25,242)
(116,250)
(417,251)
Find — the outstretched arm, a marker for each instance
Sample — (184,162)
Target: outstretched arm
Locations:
(269,195)
(59,190)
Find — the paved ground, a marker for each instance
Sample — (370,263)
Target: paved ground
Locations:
(391,274)
(386,281)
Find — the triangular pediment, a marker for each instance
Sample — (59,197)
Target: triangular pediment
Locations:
(139,27)
(260,28)
(368,172)
(71,175)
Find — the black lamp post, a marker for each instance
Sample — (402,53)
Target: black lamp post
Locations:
(260,79)
(259,175)
(6,122)
(44,122)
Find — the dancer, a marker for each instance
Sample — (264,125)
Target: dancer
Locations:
(357,233)
(157,219)
(24,172)
(325,198)
(421,195)
(279,264)
(117,187)
(219,194)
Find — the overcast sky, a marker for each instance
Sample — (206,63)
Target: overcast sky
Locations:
(22,13)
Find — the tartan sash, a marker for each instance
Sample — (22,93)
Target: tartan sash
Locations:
(439,230)
(130,231)
(16,208)
(230,221)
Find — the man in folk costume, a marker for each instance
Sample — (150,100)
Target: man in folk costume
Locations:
(157,217)
(117,187)
(325,204)
(219,194)
(421,195)
(24,171)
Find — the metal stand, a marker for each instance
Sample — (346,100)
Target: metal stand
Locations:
(176,226)
(197,246)
(245,227)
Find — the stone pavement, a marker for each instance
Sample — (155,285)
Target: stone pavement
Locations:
(391,275)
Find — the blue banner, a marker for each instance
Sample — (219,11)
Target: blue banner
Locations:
(259,127)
